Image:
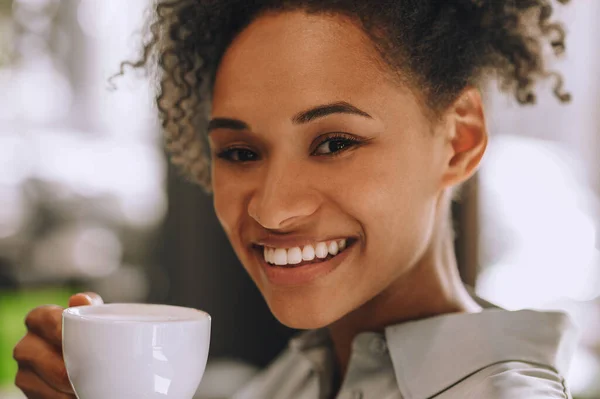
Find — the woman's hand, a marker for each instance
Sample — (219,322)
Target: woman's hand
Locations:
(42,373)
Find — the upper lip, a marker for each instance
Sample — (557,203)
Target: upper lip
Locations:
(295,241)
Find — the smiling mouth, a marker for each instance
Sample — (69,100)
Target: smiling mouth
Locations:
(298,257)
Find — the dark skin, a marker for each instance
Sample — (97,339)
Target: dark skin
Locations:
(393,181)
(42,373)
(404,168)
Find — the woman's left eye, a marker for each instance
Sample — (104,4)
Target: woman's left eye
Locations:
(333,145)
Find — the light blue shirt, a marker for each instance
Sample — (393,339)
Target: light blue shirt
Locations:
(494,354)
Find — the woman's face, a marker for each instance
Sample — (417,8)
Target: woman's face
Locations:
(313,143)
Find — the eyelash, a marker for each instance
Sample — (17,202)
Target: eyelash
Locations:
(349,142)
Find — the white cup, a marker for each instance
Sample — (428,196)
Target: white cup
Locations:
(135,351)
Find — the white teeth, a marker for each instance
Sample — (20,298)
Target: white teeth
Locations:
(271,255)
(321,250)
(333,248)
(294,256)
(308,252)
(280,257)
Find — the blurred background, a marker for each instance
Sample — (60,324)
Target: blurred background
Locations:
(89,202)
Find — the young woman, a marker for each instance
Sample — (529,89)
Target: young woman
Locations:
(332,134)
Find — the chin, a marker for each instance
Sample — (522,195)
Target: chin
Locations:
(305,312)
(302,321)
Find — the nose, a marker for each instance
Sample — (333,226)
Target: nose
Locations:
(285,196)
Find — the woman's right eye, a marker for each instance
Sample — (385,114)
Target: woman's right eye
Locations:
(238,155)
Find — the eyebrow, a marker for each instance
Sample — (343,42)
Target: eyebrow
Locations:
(321,111)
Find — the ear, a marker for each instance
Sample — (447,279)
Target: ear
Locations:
(468,137)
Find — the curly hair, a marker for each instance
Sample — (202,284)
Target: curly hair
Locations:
(438,47)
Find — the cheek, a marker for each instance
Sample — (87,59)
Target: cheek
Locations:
(394,201)
(231,213)
(228,203)
(384,185)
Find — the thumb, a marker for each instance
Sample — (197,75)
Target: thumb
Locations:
(85,298)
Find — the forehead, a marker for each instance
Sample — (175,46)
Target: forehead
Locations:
(293,58)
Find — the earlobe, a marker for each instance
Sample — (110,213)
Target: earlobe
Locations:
(470,137)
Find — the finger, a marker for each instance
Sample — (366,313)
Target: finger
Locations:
(35,354)
(85,298)
(35,388)
(46,322)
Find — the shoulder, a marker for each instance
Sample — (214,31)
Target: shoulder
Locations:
(487,355)
(515,380)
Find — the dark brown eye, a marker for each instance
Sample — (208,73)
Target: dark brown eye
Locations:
(335,144)
(238,155)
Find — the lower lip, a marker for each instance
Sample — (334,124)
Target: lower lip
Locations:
(299,275)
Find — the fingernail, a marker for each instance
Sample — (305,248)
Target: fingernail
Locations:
(93,298)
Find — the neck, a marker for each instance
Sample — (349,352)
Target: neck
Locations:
(431,287)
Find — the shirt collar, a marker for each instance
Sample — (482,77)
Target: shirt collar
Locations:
(431,355)
(310,339)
